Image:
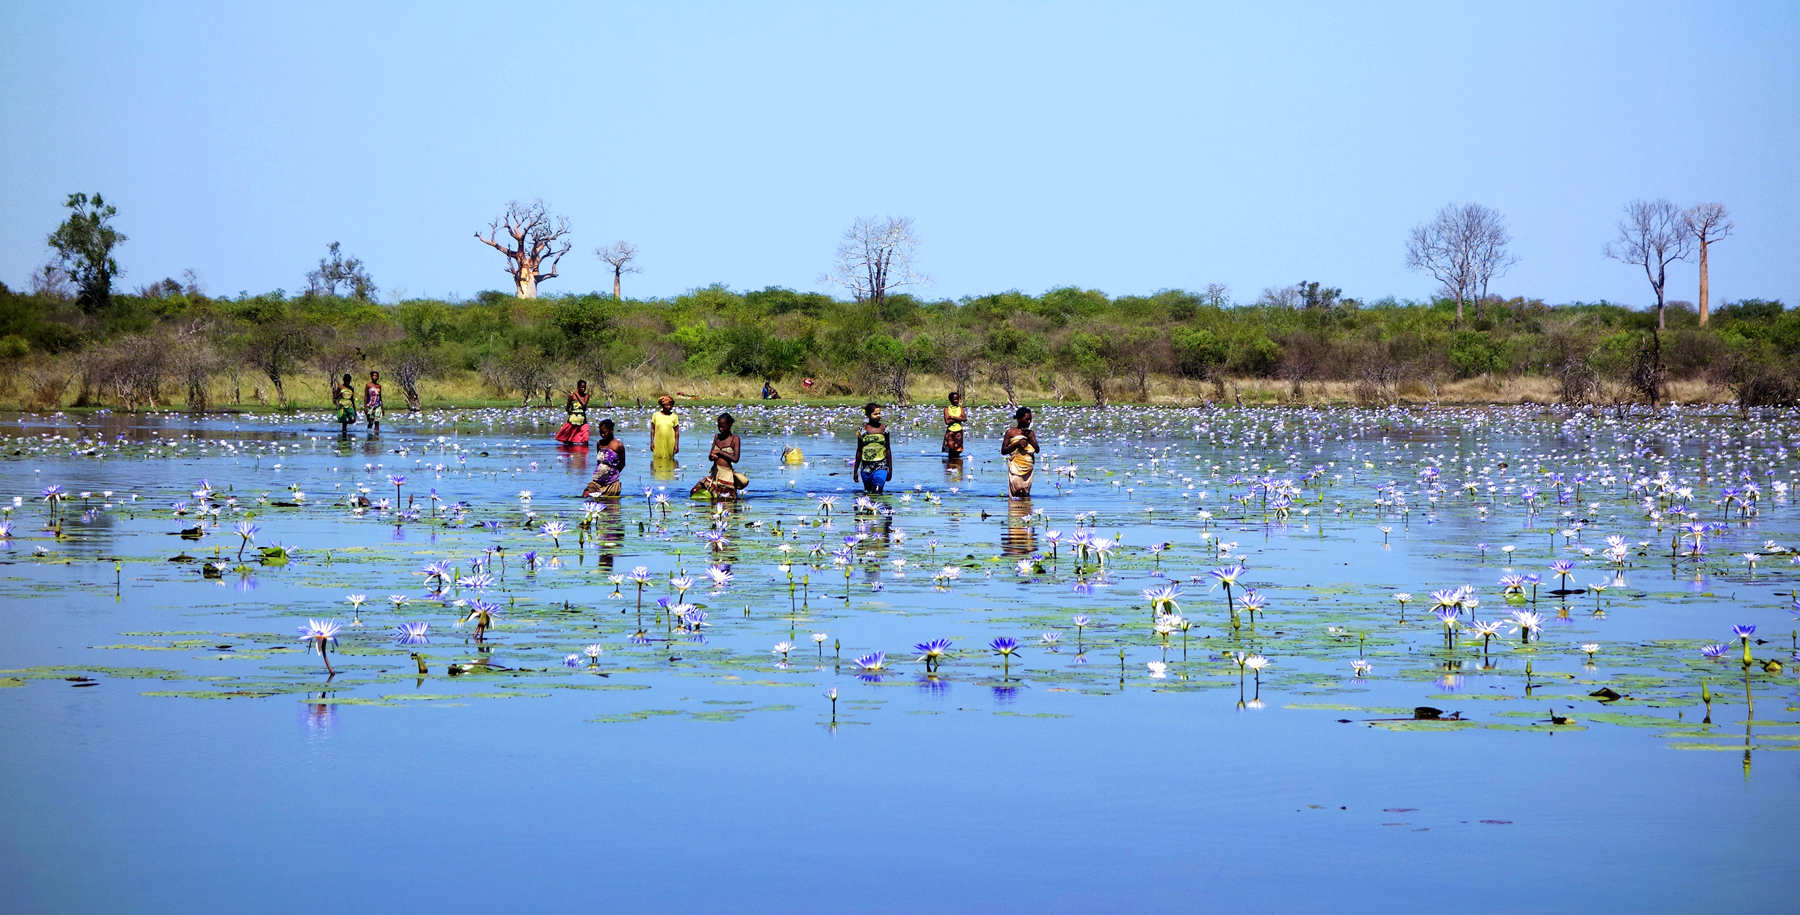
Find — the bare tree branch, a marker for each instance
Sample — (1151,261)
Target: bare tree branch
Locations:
(618,255)
(537,237)
(875,258)
(1463,248)
(1652,235)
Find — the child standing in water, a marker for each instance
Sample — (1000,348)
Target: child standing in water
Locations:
(1019,446)
(344,397)
(372,403)
(874,464)
(953,426)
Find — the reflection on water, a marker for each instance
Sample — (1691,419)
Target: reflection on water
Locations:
(217,658)
(1018,539)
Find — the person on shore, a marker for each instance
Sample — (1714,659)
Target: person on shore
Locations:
(611,464)
(953,426)
(343,396)
(874,464)
(372,403)
(723,482)
(575,430)
(769,392)
(665,431)
(1020,447)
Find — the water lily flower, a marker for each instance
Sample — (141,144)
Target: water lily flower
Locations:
(482,613)
(412,633)
(1005,647)
(1744,632)
(554,530)
(1712,652)
(720,575)
(872,662)
(247,534)
(1158,669)
(782,648)
(1589,648)
(322,633)
(1163,599)
(932,652)
(1360,666)
(1525,622)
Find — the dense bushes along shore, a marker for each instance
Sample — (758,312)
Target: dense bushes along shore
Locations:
(173,346)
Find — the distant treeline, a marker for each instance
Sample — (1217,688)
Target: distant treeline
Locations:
(171,345)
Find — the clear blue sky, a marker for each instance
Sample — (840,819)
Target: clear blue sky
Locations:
(1126,147)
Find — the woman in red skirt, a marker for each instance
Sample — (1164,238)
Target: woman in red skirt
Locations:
(575,431)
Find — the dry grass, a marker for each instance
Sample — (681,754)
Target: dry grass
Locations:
(40,391)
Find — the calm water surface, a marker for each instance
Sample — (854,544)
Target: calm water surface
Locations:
(174,745)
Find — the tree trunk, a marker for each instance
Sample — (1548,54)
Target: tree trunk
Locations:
(412,395)
(616,272)
(525,284)
(280,392)
(1704,290)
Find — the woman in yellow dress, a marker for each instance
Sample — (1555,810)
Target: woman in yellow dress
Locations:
(1020,447)
(665,431)
(953,426)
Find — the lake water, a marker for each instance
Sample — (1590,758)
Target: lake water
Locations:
(175,745)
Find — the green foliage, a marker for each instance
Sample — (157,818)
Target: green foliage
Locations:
(84,244)
(1067,339)
(1473,353)
(336,270)
(1198,352)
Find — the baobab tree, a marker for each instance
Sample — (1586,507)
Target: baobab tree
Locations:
(1707,223)
(1652,235)
(618,255)
(1463,248)
(539,241)
(876,257)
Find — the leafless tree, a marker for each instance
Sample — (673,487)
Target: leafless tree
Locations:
(618,255)
(1707,223)
(957,352)
(538,242)
(132,369)
(51,282)
(409,364)
(1280,297)
(1217,295)
(1463,247)
(876,257)
(1652,235)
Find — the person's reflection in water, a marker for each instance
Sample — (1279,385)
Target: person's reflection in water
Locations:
(1019,538)
(575,458)
(663,468)
(953,470)
(608,534)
